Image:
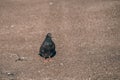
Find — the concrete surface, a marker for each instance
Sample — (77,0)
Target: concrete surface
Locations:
(86,33)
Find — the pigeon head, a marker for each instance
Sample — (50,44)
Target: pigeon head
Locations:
(49,35)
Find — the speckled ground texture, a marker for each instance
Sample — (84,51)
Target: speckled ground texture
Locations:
(86,34)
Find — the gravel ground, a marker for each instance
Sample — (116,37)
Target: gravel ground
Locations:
(86,34)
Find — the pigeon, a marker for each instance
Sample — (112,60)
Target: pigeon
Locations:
(47,49)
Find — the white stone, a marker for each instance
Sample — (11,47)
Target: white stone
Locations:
(61,64)
(51,3)
(12,26)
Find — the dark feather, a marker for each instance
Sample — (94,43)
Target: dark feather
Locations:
(47,48)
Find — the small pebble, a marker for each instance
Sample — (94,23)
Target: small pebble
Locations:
(12,26)
(22,57)
(51,3)
(61,64)
(8,73)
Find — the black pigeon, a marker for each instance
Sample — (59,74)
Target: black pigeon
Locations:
(47,49)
